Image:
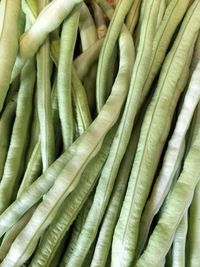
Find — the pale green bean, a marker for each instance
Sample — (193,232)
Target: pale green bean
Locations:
(18,143)
(154,132)
(6,124)
(9,30)
(68,39)
(44,104)
(112,34)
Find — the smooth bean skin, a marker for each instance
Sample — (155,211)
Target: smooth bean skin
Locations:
(9,30)
(152,139)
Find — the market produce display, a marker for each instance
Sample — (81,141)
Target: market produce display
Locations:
(100,133)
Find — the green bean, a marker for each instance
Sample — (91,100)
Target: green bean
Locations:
(33,169)
(88,33)
(178,252)
(176,205)
(13,232)
(99,20)
(35,36)
(172,17)
(55,46)
(68,39)
(84,118)
(154,132)
(33,4)
(172,155)
(18,141)
(106,180)
(71,206)
(76,230)
(137,33)
(104,240)
(107,48)
(59,252)
(13,90)
(90,56)
(196,56)
(133,15)
(30,8)
(6,124)
(32,39)
(87,148)
(193,238)
(161,13)
(9,30)
(38,189)
(44,101)
(35,127)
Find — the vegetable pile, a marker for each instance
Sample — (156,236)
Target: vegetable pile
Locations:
(100,133)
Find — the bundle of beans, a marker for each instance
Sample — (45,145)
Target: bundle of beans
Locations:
(100,133)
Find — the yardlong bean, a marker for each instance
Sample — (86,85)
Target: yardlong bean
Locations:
(154,132)
(175,207)
(6,124)
(18,143)
(92,139)
(9,30)
(44,101)
(71,206)
(171,158)
(107,48)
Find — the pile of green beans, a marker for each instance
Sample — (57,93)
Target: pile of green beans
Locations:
(100,133)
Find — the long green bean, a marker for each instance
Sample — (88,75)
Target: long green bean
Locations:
(171,158)
(44,101)
(104,240)
(92,140)
(18,143)
(68,38)
(32,39)
(172,17)
(178,251)
(154,132)
(71,206)
(9,30)
(193,239)
(106,181)
(107,48)
(6,124)
(133,15)
(99,20)
(175,206)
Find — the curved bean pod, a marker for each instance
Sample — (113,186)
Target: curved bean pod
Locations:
(172,17)
(178,251)
(175,206)
(152,139)
(133,15)
(6,124)
(9,30)
(112,34)
(44,104)
(106,182)
(68,39)
(32,39)
(71,207)
(171,158)
(192,253)
(99,20)
(92,140)
(103,243)
(18,143)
